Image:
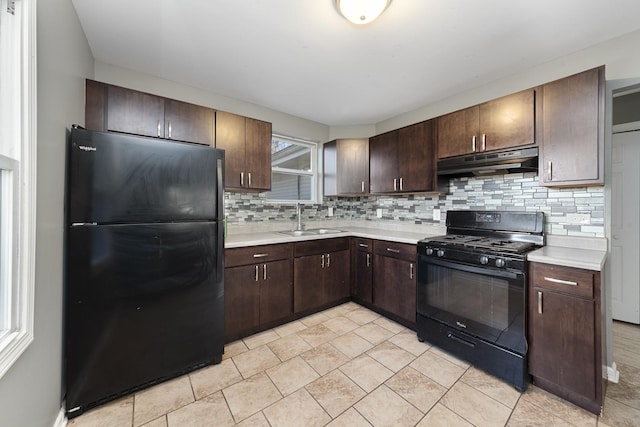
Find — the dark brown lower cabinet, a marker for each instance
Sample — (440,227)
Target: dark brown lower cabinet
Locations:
(258,288)
(564,334)
(321,273)
(362,269)
(394,280)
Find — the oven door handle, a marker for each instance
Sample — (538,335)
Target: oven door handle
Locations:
(506,274)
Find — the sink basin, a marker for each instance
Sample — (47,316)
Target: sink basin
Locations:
(311,232)
(327,230)
(297,233)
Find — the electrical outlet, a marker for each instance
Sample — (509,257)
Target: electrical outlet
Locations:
(578,219)
(379,213)
(436,214)
(330,211)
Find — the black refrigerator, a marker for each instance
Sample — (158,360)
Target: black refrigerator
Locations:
(144,286)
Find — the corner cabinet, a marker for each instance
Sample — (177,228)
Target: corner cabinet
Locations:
(564,333)
(117,109)
(403,160)
(258,288)
(501,123)
(321,273)
(247,145)
(394,280)
(572,133)
(346,167)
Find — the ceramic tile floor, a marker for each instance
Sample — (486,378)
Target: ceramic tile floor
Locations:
(348,366)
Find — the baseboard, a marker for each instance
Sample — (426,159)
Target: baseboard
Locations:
(61,419)
(613,375)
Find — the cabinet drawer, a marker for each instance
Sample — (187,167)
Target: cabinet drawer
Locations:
(322,246)
(360,244)
(257,254)
(568,280)
(395,250)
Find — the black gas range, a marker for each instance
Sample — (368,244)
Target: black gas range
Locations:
(471,289)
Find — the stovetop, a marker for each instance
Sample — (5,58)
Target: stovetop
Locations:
(498,244)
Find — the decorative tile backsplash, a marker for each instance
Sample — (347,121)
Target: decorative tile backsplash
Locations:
(568,211)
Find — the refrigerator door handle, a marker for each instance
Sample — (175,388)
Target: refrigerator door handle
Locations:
(220,209)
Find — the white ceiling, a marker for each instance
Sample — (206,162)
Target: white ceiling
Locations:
(301,57)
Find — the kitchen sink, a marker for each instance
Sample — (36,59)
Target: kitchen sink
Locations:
(311,232)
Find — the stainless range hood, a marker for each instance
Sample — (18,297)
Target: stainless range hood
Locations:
(509,161)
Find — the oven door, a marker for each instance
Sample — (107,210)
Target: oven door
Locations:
(485,302)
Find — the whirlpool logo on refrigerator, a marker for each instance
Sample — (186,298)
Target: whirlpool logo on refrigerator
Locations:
(85,148)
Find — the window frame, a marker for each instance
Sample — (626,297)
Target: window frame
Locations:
(18,182)
(313,173)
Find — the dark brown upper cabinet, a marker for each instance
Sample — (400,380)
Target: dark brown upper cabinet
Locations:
(501,123)
(403,160)
(346,167)
(118,109)
(572,133)
(247,145)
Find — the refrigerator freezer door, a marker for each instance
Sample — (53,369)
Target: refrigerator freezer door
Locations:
(117,178)
(144,304)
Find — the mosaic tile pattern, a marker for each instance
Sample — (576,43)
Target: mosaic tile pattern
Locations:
(511,192)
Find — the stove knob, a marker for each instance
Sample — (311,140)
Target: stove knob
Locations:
(440,253)
(500,263)
(429,251)
(484,260)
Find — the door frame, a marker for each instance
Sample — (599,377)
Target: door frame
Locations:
(613,88)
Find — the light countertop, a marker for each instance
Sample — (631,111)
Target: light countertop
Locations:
(238,240)
(586,253)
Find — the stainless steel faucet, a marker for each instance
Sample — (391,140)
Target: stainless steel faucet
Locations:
(298,214)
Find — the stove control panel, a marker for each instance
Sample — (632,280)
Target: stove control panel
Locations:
(473,257)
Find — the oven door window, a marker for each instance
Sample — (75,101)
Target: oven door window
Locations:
(486,303)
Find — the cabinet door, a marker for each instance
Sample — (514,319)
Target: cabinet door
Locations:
(134,112)
(383,162)
(572,130)
(363,276)
(387,291)
(336,276)
(457,132)
(230,136)
(241,301)
(188,122)
(95,105)
(416,158)
(258,154)
(507,122)
(394,286)
(352,166)
(276,291)
(562,341)
(307,282)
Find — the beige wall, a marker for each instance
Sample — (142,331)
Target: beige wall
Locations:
(31,391)
(619,55)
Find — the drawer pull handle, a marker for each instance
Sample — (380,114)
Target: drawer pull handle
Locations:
(169,129)
(241,179)
(484,142)
(264,272)
(539,302)
(159,128)
(395,184)
(368,260)
(322,261)
(401,184)
(473,143)
(362,187)
(257,272)
(411,271)
(550,171)
(560,281)
(260,255)
(328,260)
(395,251)
(249,179)
(363,245)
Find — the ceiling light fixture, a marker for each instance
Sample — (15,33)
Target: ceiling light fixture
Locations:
(362,12)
